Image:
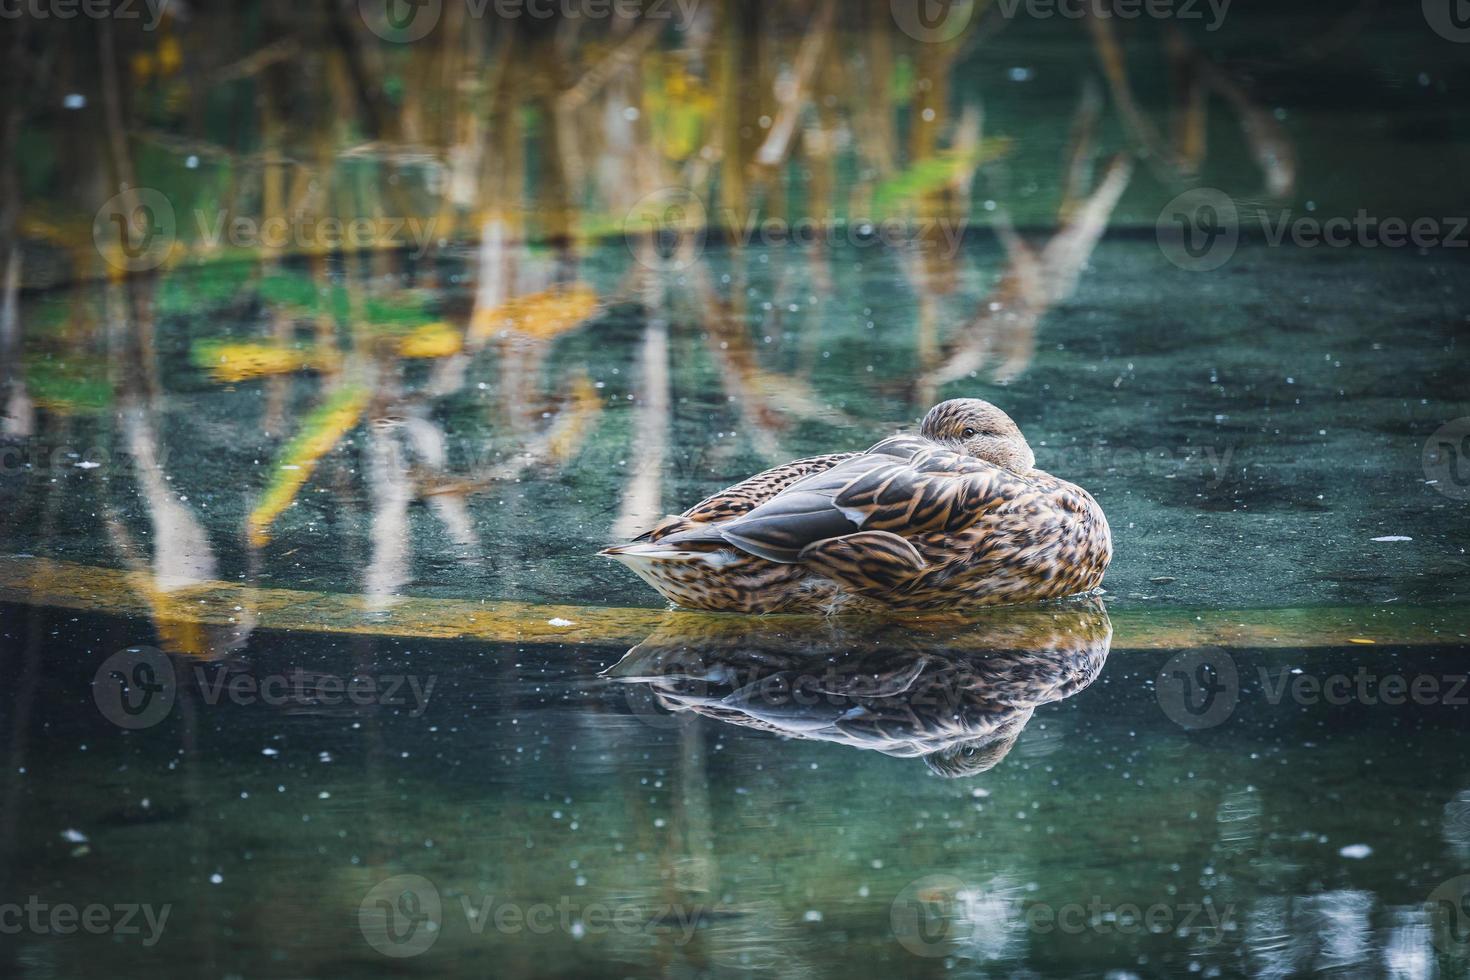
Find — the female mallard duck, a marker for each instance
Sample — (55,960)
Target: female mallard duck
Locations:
(955,516)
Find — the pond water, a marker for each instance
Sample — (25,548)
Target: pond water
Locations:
(313,669)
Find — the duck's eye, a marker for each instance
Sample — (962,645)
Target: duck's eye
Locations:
(968,433)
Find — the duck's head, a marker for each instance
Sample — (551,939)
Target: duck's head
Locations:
(977,428)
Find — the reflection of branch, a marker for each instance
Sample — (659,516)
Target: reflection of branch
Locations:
(1115,70)
(625,54)
(1266,137)
(257,61)
(1032,284)
(791,89)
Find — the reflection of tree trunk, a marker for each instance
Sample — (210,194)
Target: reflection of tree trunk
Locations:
(450,506)
(16,413)
(643,495)
(27,677)
(182,555)
(698,873)
(389,488)
(739,102)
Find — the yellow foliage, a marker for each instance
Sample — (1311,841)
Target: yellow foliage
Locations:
(321,431)
(431,340)
(542,315)
(241,362)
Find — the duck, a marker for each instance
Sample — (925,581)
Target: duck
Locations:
(953,517)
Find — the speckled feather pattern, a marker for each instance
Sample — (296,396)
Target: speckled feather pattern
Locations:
(909,524)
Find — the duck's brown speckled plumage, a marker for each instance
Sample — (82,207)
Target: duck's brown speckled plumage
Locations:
(916,522)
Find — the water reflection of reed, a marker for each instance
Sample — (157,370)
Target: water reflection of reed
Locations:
(887,687)
(520,144)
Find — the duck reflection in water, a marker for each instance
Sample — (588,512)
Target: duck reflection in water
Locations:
(957,698)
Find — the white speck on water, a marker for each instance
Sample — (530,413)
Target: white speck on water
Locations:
(558,621)
(74,100)
(73,836)
(578,930)
(979,793)
(1393,537)
(811,915)
(87,464)
(216,878)
(270,752)
(1356,851)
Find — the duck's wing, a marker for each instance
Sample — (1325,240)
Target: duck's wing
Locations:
(871,502)
(744,496)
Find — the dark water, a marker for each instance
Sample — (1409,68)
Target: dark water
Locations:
(311,669)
